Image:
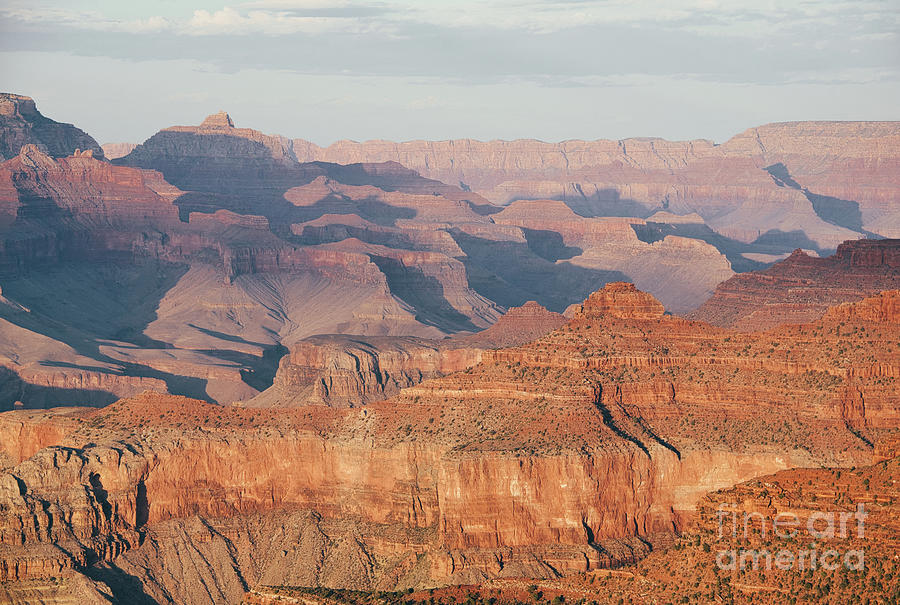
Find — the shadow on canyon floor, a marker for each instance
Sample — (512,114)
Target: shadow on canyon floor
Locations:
(607,203)
(790,240)
(833,210)
(511,273)
(109,304)
(732,249)
(424,293)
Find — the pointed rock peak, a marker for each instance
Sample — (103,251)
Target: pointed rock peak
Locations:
(530,312)
(621,300)
(35,157)
(218,120)
(529,309)
(802,255)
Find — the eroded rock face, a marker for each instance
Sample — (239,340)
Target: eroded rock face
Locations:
(882,308)
(864,504)
(555,455)
(24,432)
(40,188)
(516,327)
(252,251)
(351,370)
(116,226)
(801,287)
(22,124)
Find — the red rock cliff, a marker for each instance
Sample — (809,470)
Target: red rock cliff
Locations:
(552,455)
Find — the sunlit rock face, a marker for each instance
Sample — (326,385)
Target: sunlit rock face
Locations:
(555,456)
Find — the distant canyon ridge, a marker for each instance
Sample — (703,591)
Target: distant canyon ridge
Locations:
(812,183)
(824,180)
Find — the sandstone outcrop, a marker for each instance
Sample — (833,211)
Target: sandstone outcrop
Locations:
(25,432)
(620,301)
(800,288)
(772,564)
(517,326)
(351,370)
(882,308)
(554,457)
(37,187)
(22,124)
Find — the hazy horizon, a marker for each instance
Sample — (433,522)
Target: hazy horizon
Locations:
(327,70)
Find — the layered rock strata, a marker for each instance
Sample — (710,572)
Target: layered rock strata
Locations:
(544,459)
(338,370)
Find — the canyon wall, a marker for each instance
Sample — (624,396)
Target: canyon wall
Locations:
(228,249)
(562,455)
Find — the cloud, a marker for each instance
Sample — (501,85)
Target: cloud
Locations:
(560,43)
(82,20)
(227,21)
(230,21)
(284,17)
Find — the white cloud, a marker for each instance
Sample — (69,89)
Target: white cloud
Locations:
(226,21)
(231,21)
(280,17)
(298,4)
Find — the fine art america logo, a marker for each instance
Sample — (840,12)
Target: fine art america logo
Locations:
(787,526)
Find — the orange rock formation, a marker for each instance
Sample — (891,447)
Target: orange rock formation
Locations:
(551,457)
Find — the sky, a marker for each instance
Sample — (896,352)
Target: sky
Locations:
(325,70)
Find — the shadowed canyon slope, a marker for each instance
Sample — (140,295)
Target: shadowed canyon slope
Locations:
(558,456)
(813,184)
